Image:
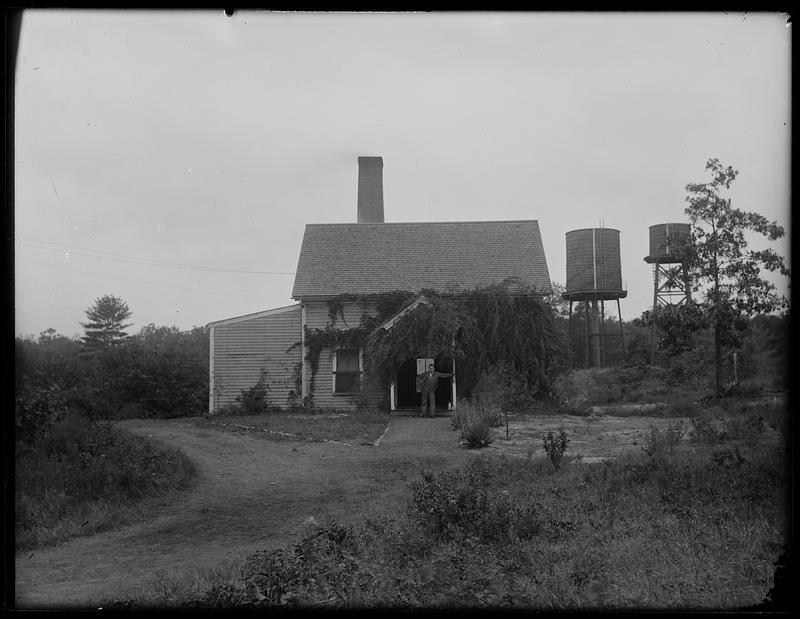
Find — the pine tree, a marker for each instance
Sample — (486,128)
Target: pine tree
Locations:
(106,323)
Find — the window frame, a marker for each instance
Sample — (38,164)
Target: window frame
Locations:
(336,373)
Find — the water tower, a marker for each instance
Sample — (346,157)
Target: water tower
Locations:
(594,276)
(670,277)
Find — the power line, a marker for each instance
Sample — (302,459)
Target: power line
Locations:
(71,249)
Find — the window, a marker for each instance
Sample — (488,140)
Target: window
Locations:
(347,371)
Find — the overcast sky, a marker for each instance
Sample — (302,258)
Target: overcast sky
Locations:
(151,139)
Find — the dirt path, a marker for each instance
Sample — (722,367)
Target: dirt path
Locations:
(251,494)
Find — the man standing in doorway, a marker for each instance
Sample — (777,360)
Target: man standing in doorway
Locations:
(429,380)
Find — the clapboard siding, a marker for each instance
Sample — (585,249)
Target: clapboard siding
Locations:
(317,318)
(242,347)
(317,315)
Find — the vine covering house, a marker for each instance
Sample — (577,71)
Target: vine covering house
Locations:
(360,285)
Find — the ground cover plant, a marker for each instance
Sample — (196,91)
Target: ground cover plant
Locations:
(80,478)
(680,526)
(364,426)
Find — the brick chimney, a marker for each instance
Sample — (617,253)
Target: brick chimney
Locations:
(370,190)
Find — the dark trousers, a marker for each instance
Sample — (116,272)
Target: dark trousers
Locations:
(428,397)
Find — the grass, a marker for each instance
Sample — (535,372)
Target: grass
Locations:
(666,529)
(351,427)
(83,478)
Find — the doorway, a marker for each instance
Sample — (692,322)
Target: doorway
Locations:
(407,395)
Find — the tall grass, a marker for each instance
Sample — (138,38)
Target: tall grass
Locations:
(81,478)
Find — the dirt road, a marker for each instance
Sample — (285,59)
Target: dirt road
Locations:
(251,494)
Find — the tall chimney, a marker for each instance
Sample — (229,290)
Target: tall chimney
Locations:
(370,190)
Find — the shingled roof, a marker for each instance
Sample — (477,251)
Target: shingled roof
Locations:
(371,258)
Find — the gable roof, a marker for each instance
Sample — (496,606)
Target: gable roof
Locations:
(262,314)
(443,256)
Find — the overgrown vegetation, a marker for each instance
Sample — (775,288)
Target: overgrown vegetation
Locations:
(503,334)
(79,478)
(160,372)
(691,529)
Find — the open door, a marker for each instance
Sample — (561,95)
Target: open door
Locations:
(406,388)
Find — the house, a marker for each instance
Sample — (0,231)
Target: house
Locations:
(357,262)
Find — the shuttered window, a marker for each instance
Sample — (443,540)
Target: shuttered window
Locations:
(347,371)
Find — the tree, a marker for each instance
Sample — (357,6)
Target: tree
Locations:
(676,324)
(720,262)
(106,323)
(556,300)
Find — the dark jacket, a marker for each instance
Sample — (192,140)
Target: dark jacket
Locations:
(429,380)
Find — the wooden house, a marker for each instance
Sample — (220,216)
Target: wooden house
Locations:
(363,260)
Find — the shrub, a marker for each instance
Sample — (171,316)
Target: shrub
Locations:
(637,349)
(727,457)
(660,443)
(749,428)
(255,401)
(690,369)
(707,430)
(555,446)
(475,423)
(502,388)
(477,434)
(323,565)
(459,503)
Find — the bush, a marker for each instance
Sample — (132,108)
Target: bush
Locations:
(555,446)
(727,457)
(475,424)
(660,443)
(255,401)
(691,369)
(458,504)
(749,428)
(477,434)
(162,372)
(503,389)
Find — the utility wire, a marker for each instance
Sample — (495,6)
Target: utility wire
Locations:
(71,249)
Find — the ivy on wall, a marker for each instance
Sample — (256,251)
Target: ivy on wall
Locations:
(506,324)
